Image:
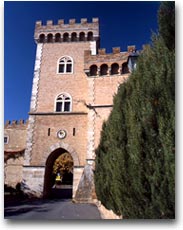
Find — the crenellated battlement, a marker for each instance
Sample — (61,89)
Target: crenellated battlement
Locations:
(67,32)
(16,123)
(83,21)
(107,63)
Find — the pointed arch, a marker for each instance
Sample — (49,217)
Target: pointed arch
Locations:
(65,146)
(52,154)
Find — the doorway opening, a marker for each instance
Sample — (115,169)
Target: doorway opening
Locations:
(58,181)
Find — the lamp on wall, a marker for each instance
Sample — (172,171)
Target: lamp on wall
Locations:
(132,60)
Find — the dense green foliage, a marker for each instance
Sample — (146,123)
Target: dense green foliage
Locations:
(166,20)
(135,160)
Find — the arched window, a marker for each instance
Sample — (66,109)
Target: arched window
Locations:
(50,38)
(65,37)
(41,38)
(93,70)
(82,36)
(114,68)
(57,37)
(90,36)
(125,68)
(103,69)
(63,103)
(74,37)
(65,65)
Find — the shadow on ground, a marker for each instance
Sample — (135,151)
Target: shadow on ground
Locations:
(53,209)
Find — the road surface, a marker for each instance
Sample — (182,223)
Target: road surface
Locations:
(50,210)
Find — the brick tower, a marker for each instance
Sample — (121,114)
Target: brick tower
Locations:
(72,94)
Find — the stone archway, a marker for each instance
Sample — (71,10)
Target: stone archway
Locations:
(52,189)
(67,148)
(49,178)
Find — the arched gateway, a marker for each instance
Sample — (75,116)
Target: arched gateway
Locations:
(58,178)
(40,180)
(60,186)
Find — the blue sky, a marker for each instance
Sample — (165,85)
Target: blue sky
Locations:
(121,24)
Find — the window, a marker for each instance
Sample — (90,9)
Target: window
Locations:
(114,68)
(65,65)
(66,37)
(125,68)
(73,37)
(93,70)
(103,69)
(63,103)
(90,36)
(50,38)
(57,37)
(82,36)
(6,139)
(41,38)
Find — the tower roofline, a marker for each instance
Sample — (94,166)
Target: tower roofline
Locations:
(62,28)
(71,22)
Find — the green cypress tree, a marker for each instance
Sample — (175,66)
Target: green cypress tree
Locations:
(135,161)
(166,21)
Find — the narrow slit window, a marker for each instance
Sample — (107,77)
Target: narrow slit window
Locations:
(6,139)
(74,131)
(48,131)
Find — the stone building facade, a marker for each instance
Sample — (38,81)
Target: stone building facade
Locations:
(72,94)
(14,148)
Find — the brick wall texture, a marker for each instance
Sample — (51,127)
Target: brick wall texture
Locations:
(91,96)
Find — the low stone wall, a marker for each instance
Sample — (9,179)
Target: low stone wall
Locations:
(33,180)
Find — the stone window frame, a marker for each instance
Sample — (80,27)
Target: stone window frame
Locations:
(63,98)
(6,136)
(65,61)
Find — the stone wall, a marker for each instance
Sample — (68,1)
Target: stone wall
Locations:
(13,167)
(15,132)
(33,181)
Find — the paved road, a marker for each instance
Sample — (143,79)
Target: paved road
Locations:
(51,210)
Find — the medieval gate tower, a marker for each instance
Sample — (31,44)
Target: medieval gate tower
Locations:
(72,94)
